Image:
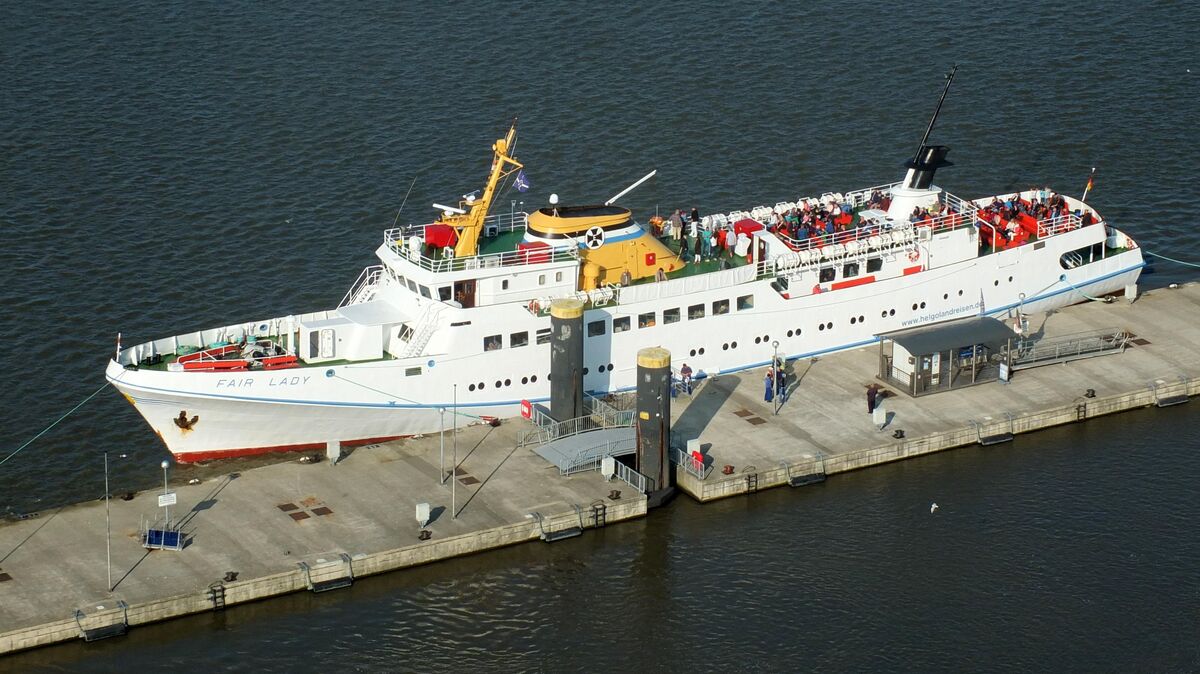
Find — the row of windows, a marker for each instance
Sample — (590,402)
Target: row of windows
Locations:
(649,319)
(558,277)
(503,383)
(850,269)
(515,339)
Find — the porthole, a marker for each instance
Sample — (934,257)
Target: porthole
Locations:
(733,345)
(861,319)
(883,314)
(758,340)
(610,367)
(480,386)
(585,371)
(725,347)
(891,312)
(1010,279)
(524,380)
(471,387)
(797,332)
(499,383)
(766,338)
(789,333)
(533,379)
(508,382)
(960,293)
(692,353)
(853,320)
(914,306)
(701,351)
(945,296)
(996,282)
(922,305)
(821,327)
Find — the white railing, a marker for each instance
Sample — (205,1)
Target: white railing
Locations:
(363,289)
(1058,225)
(397,239)
(690,465)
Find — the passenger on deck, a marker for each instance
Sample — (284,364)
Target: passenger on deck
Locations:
(730,241)
(694,221)
(685,374)
(709,240)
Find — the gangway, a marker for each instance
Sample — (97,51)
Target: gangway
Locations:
(1027,354)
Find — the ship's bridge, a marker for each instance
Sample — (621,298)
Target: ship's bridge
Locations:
(421,258)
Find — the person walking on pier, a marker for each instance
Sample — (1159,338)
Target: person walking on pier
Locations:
(780,382)
(872,392)
(769,382)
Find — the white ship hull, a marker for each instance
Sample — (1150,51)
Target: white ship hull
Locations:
(249,412)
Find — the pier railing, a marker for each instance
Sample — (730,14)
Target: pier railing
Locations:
(555,430)
(697,468)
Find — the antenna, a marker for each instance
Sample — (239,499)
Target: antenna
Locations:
(629,189)
(936,112)
(449,209)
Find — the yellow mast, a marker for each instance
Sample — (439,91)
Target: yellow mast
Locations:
(469,225)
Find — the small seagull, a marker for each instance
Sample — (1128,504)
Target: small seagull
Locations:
(933,508)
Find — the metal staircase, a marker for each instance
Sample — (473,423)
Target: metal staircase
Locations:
(426,326)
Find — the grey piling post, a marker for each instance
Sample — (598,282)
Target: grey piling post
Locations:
(566,359)
(654,422)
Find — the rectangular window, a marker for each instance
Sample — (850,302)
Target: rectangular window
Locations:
(874,264)
(412,285)
(492,343)
(827,274)
(850,270)
(595,328)
(504,284)
(425,292)
(541,279)
(543,336)
(405,332)
(670,316)
(444,293)
(695,311)
(412,371)
(720,307)
(646,320)
(745,302)
(517,339)
(620,324)
(558,277)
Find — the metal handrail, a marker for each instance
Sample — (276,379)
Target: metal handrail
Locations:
(690,465)
(368,278)
(570,427)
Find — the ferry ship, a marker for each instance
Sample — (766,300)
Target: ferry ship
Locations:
(452,325)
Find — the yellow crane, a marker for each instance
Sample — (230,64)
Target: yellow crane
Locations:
(468,225)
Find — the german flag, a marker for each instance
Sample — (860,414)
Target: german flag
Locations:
(1091,182)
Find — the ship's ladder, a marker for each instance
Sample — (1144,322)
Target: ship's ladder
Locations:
(426,325)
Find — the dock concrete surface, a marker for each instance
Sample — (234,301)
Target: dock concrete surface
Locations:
(824,428)
(341,521)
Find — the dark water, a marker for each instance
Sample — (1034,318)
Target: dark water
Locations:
(171,166)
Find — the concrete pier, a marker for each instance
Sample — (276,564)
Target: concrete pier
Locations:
(294,527)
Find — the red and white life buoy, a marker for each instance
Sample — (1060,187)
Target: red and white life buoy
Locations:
(534,307)
(914,255)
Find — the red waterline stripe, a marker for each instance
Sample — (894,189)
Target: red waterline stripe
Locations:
(852,282)
(912,270)
(192,457)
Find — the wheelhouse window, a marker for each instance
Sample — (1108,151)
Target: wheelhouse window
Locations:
(670,316)
(695,311)
(596,328)
(620,324)
(720,307)
(543,336)
(444,293)
(518,339)
(425,293)
(745,302)
(492,343)
(646,320)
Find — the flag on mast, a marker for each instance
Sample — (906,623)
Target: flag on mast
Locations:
(521,182)
(1091,181)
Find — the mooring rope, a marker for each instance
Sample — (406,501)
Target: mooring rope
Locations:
(1170,259)
(56,422)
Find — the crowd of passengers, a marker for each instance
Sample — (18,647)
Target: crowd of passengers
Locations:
(1042,204)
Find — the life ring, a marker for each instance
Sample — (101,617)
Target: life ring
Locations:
(534,307)
(914,255)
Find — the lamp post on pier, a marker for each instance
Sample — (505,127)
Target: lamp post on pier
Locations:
(775,364)
(167,505)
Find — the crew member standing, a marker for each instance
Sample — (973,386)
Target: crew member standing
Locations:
(872,392)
